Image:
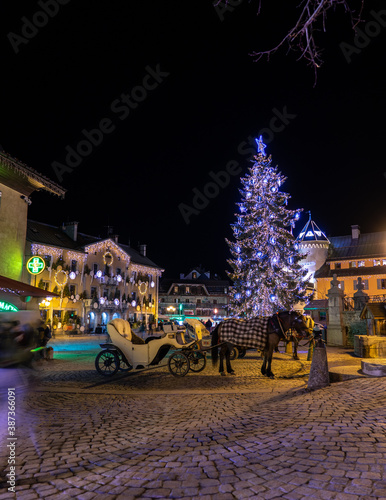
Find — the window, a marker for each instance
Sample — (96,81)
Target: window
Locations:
(322,315)
(361,263)
(338,265)
(377,262)
(352,264)
(381,284)
(187,301)
(198,301)
(95,268)
(383,262)
(187,289)
(194,275)
(365,284)
(93,292)
(175,289)
(74,266)
(72,290)
(118,271)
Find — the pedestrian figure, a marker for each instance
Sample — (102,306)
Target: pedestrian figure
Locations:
(47,334)
(208,325)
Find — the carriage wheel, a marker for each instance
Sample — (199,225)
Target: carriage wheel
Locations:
(107,363)
(197,361)
(124,365)
(179,364)
(242,352)
(234,354)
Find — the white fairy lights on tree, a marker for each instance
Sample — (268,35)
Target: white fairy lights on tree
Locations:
(266,273)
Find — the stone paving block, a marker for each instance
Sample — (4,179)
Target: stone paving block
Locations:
(86,496)
(156,493)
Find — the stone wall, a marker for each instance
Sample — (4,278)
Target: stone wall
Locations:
(354,325)
(370,346)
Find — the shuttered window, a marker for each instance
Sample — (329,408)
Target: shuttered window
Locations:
(381,283)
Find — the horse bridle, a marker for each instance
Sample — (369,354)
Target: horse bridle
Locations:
(297,318)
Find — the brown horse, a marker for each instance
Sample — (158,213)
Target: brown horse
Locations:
(260,333)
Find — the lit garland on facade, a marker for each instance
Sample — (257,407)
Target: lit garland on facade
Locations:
(142,287)
(79,257)
(108,255)
(54,252)
(65,279)
(107,245)
(146,270)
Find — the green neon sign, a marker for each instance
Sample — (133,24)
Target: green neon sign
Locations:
(36,265)
(6,306)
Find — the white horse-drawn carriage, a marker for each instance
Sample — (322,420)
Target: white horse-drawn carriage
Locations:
(127,351)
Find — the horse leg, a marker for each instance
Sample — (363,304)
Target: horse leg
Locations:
(295,343)
(273,340)
(228,360)
(221,368)
(268,357)
(264,365)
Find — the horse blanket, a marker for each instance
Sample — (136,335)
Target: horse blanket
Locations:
(251,334)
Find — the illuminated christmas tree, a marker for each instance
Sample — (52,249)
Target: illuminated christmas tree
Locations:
(266,273)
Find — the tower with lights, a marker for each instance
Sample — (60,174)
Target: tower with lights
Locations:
(313,247)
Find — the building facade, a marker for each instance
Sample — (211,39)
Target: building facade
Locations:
(195,295)
(351,257)
(17,183)
(97,279)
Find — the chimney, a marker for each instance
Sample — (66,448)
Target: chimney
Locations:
(355,232)
(71,229)
(116,238)
(142,250)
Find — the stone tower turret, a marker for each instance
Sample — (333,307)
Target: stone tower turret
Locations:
(313,244)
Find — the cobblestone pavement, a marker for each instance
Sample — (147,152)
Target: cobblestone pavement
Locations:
(203,436)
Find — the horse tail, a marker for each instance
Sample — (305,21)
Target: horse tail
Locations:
(215,337)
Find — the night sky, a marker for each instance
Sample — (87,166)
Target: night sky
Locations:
(200,99)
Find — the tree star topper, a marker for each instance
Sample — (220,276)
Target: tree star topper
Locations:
(260,145)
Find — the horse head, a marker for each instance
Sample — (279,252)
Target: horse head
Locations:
(303,325)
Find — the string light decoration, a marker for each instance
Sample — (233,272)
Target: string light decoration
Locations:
(61,277)
(108,258)
(37,249)
(107,246)
(79,257)
(146,269)
(142,287)
(265,266)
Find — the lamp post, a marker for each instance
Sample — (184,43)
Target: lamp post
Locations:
(171,310)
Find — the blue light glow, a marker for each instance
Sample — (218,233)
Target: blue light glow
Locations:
(260,145)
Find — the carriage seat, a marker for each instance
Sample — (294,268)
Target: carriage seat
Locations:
(123,328)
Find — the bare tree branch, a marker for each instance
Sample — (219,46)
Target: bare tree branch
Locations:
(312,19)
(301,37)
